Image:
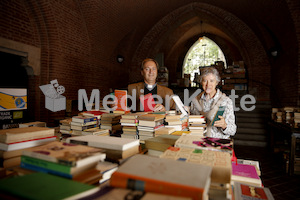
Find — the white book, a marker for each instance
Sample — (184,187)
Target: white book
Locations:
(105,142)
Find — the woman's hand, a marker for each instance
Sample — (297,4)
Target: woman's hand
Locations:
(159,107)
(221,123)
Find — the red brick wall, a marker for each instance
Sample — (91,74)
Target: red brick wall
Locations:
(80,39)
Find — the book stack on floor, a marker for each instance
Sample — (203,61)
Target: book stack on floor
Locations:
(63,159)
(197,124)
(116,148)
(80,123)
(13,141)
(148,124)
(111,121)
(65,128)
(163,176)
(129,123)
(157,145)
(178,122)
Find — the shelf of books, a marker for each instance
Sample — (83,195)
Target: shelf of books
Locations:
(162,156)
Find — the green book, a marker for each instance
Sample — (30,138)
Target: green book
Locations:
(220,112)
(45,186)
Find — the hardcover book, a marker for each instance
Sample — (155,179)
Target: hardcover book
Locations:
(249,192)
(151,117)
(83,119)
(220,112)
(121,97)
(147,102)
(67,154)
(219,161)
(164,176)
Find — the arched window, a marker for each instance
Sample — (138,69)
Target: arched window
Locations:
(204,52)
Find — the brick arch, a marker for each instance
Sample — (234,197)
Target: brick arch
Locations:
(251,49)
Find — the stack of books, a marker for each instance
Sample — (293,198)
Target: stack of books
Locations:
(65,128)
(129,123)
(296,119)
(14,141)
(62,159)
(116,148)
(111,121)
(178,122)
(197,124)
(289,114)
(93,113)
(148,124)
(81,123)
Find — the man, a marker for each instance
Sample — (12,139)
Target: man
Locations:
(149,70)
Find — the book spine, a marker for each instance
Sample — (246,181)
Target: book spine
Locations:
(46,164)
(123,180)
(44,170)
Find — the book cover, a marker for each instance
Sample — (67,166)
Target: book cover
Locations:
(65,153)
(45,186)
(220,112)
(164,176)
(208,143)
(246,174)
(219,161)
(26,133)
(147,102)
(160,143)
(121,97)
(83,119)
(250,192)
(105,142)
(26,144)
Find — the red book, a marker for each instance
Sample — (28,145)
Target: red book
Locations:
(148,102)
(121,96)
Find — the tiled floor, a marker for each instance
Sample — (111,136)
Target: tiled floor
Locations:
(273,172)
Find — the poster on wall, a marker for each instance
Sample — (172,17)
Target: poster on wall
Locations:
(13,99)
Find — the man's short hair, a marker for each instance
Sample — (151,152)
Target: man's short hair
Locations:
(147,60)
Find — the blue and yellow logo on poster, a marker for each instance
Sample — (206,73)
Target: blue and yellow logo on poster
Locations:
(13,99)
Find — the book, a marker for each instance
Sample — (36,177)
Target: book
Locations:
(83,119)
(54,168)
(10,154)
(147,102)
(133,115)
(90,176)
(160,143)
(164,131)
(66,154)
(250,192)
(246,174)
(255,163)
(121,97)
(29,124)
(179,104)
(150,123)
(106,142)
(93,113)
(163,176)
(83,124)
(26,143)
(26,133)
(82,128)
(206,143)
(151,117)
(219,112)
(106,169)
(219,161)
(149,128)
(180,133)
(45,186)
(95,131)
(12,162)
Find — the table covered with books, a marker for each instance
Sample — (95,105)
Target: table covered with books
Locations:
(157,156)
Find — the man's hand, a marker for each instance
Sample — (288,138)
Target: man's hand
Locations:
(221,123)
(159,107)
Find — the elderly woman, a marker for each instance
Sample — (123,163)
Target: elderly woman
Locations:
(208,102)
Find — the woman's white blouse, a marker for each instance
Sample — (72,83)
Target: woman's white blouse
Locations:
(228,115)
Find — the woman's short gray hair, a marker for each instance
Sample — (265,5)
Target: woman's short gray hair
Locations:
(210,70)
